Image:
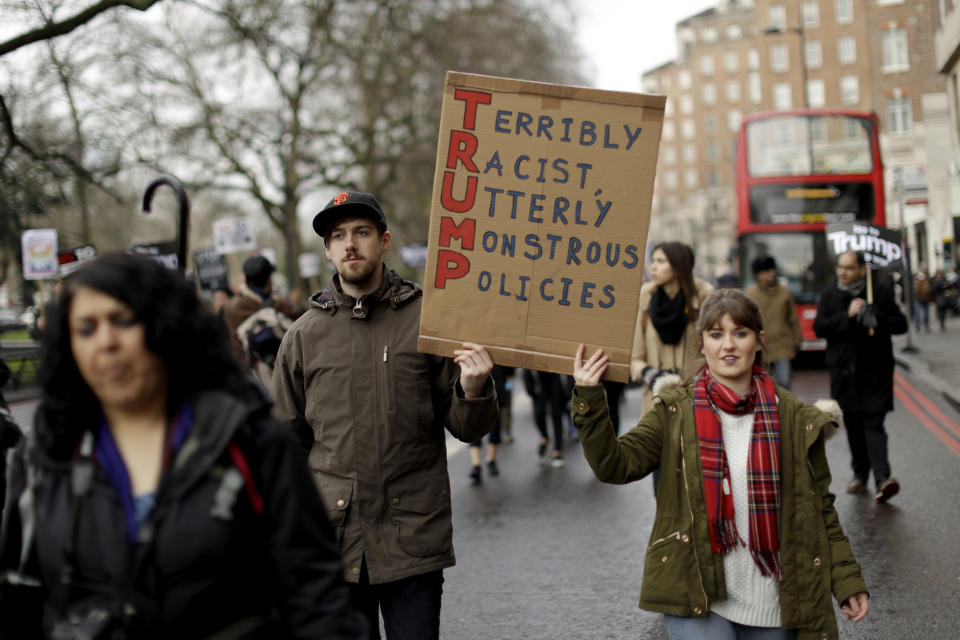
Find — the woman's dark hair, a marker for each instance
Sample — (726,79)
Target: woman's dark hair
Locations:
(742,310)
(680,257)
(190,341)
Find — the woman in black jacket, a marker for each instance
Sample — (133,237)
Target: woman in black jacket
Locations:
(156,497)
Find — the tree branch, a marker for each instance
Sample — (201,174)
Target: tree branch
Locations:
(54,29)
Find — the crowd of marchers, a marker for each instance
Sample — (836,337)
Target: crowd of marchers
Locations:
(271,470)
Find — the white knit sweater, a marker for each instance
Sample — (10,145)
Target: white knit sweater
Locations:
(752,599)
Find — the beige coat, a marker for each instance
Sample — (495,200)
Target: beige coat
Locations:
(780,321)
(648,350)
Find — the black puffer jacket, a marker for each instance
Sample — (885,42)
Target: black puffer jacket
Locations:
(210,555)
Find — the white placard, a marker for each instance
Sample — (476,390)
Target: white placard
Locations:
(40,254)
(233,234)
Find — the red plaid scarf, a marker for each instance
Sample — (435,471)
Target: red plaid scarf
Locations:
(763,466)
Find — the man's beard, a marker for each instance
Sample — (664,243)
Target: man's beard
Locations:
(358,277)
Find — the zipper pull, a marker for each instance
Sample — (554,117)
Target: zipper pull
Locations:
(385,348)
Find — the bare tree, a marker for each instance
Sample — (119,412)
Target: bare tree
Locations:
(52,27)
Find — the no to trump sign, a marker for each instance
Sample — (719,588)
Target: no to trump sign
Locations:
(881,247)
(539,217)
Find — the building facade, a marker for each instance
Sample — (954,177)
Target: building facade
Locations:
(946,231)
(746,56)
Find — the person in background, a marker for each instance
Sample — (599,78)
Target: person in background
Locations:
(859,358)
(156,497)
(746,542)
(219,298)
(779,311)
(665,339)
(254,294)
(372,410)
(547,395)
(921,299)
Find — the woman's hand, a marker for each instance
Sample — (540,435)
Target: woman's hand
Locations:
(589,373)
(856,606)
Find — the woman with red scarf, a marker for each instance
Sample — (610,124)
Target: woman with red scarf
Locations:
(746,542)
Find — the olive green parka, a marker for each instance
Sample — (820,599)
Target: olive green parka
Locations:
(681,574)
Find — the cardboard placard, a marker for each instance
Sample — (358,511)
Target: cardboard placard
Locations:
(538,222)
(211,269)
(39,248)
(72,259)
(881,247)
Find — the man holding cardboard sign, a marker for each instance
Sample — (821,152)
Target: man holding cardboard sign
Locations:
(372,411)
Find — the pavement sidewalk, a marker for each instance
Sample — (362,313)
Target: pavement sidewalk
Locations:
(935,357)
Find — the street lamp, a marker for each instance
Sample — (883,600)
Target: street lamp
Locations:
(775,30)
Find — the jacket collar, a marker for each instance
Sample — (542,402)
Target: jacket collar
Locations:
(393,290)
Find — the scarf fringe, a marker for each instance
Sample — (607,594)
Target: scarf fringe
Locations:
(727,536)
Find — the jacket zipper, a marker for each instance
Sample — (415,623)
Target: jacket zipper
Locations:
(386,377)
(673,536)
(693,539)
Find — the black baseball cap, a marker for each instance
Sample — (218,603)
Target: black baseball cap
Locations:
(347,204)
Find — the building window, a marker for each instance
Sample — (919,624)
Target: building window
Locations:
(689,153)
(899,115)
(779,58)
(817,131)
(849,89)
(734,32)
(730,61)
(733,91)
(710,152)
(755,87)
(813,54)
(688,129)
(670,180)
(669,155)
(713,180)
(690,178)
(707,66)
(650,84)
(846,50)
(895,57)
(669,131)
(811,14)
(816,94)
(686,104)
(782,98)
(733,120)
(753,59)
(709,93)
(710,123)
(665,81)
(708,35)
(777,16)
(684,79)
(852,129)
(880,3)
(843,10)
(668,108)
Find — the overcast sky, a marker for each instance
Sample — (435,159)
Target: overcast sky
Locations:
(624,38)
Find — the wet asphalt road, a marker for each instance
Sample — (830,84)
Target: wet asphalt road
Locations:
(552,553)
(547,553)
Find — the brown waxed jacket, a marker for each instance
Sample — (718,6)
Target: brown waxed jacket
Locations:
(681,575)
(350,380)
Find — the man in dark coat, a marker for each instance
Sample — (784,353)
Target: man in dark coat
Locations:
(860,359)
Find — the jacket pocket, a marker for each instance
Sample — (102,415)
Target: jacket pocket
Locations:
(420,511)
(337,494)
(666,568)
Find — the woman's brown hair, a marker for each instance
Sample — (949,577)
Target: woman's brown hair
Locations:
(743,311)
(680,257)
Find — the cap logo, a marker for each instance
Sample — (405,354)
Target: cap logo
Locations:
(341,198)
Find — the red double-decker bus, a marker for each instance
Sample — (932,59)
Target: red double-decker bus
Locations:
(797,171)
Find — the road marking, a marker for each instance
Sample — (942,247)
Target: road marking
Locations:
(948,438)
(928,404)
